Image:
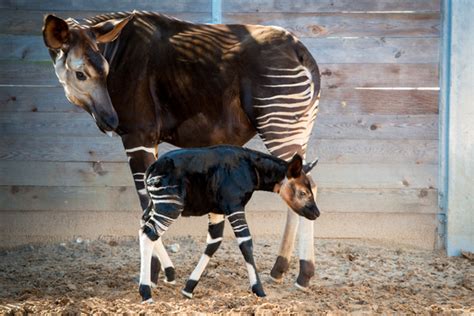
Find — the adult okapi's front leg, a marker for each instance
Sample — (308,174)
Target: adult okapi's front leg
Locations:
(141,154)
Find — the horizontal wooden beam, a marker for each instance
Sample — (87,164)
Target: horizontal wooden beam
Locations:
(345,25)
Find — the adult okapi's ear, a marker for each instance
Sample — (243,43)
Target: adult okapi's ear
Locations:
(109,30)
(294,167)
(55,32)
(309,166)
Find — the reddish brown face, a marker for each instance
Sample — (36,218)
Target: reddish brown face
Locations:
(80,67)
(296,190)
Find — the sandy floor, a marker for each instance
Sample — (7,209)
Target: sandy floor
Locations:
(351,276)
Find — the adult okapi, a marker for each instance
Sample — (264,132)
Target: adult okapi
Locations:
(152,78)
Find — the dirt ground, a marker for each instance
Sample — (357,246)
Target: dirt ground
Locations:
(351,276)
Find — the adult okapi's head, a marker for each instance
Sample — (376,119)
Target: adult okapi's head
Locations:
(79,65)
(296,191)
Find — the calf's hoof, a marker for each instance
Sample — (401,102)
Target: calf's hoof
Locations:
(187,294)
(148,301)
(257,289)
(305,275)
(279,268)
(170,275)
(145,293)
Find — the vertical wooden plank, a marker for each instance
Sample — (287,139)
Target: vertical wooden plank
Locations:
(460,200)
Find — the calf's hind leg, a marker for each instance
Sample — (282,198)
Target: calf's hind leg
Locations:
(214,239)
(242,233)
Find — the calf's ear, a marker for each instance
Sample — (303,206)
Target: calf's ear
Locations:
(294,167)
(109,30)
(55,32)
(309,166)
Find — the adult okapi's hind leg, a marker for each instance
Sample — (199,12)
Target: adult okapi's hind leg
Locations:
(141,153)
(284,102)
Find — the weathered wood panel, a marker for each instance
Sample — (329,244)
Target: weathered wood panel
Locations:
(341,100)
(333,101)
(325,50)
(330,5)
(101,174)
(16,22)
(345,25)
(302,24)
(110,149)
(328,126)
(333,75)
(34,198)
(117,5)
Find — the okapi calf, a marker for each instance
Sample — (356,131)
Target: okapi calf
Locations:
(191,182)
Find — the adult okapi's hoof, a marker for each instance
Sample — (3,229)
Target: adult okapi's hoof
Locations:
(279,268)
(148,301)
(170,275)
(305,275)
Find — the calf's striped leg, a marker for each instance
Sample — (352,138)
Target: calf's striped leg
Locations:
(140,157)
(214,240)
(242,233)
(156,223)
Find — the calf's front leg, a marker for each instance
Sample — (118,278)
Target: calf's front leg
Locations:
(214,239)
(244,239)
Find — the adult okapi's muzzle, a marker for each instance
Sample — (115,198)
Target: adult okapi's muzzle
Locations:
(80,66)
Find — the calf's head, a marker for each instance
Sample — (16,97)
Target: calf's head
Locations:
(296,190)
(79,65)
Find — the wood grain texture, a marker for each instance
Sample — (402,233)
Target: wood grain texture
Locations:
(328,126)
(333,75)
(345,25)
(35,99)
(325,50)
(395,102)
(327,175)
(110,149)
(329,5)
(116,5)
(23,22)
(34,198)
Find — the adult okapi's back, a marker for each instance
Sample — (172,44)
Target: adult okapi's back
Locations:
(190,85)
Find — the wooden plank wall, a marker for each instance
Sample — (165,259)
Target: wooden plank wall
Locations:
(376,135)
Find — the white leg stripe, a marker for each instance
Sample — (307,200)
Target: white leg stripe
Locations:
(196,275)
(252,274)
(300,74)
(240,212)
(287,105)
(299,67)
(167,202)
(146,249)
(210,240)
(161,253)
(142,191)
(243,239)
(302,95)
(150,150)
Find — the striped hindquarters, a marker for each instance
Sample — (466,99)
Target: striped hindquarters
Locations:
(286,105)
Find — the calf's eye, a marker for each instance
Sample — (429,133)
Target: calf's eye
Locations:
(301,194)
(80,75)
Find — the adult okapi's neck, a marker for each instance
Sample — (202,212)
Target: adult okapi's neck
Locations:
(270,171)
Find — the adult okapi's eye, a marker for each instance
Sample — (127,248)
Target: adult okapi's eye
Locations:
(80,76)
(301,194)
